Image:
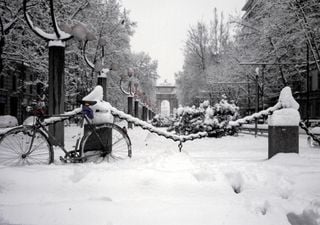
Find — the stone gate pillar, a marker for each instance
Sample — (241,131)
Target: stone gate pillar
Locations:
(283,130)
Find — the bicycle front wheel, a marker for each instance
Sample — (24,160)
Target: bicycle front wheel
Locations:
(25,146)
(108,140)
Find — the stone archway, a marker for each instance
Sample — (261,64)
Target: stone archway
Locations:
(166,92)
(165,108)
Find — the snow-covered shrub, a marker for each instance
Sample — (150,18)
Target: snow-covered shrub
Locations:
(212,119)
(161,121)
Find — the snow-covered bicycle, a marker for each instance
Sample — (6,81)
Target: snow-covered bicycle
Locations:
(33,144)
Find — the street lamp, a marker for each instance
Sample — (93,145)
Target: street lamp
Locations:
(56,42)
(100,67)
(257,88)
(131,89)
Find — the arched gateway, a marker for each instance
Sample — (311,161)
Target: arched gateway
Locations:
(165,93)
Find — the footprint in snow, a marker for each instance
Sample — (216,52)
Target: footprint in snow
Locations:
(78,174)
(236,181)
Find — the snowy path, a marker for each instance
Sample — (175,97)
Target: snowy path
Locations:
(160,185)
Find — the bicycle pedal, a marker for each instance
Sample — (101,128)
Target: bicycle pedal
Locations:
(62,159)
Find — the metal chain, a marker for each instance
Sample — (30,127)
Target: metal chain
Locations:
(258,115)
(313,136)
(269,111)
(180,146)
(160,132)
(190,137)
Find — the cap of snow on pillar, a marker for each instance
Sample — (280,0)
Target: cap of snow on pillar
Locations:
(102,109)
(286,99)
(288,115)
(95,95)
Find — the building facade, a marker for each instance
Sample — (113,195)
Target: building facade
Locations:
(307,93)
(18,89)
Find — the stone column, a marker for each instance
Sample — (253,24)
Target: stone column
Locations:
(136,108)
(144,113)
(130,109)
(102,81)
(56,87)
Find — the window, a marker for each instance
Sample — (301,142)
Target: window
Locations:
(14,83)
(1,81)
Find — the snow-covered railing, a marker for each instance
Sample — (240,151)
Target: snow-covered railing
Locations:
(315,137)
(48,121)
(62,117)
(255,116)
(160,132)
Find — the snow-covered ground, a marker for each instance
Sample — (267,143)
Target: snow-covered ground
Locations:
(212,181)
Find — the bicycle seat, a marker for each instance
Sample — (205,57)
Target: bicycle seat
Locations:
(84,102)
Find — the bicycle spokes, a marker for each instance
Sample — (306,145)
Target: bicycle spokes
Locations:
(22,146)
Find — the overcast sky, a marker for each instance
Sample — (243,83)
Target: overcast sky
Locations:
(162,27)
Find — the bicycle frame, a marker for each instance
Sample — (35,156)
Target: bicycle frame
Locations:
(69,156)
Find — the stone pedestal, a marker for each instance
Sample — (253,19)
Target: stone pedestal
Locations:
(283,139)
(93,142)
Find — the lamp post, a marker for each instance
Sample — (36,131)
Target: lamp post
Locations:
(56,42)
(100,68)
(308,86)
(257,101)
(130,90)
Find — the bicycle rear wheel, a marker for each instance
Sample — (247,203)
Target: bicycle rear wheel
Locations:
(25,146)
(117,144)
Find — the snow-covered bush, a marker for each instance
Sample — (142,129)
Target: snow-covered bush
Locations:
(162,121)
(212,119)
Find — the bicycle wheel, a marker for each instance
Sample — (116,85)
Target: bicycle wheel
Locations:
(116,144)
(25,146)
